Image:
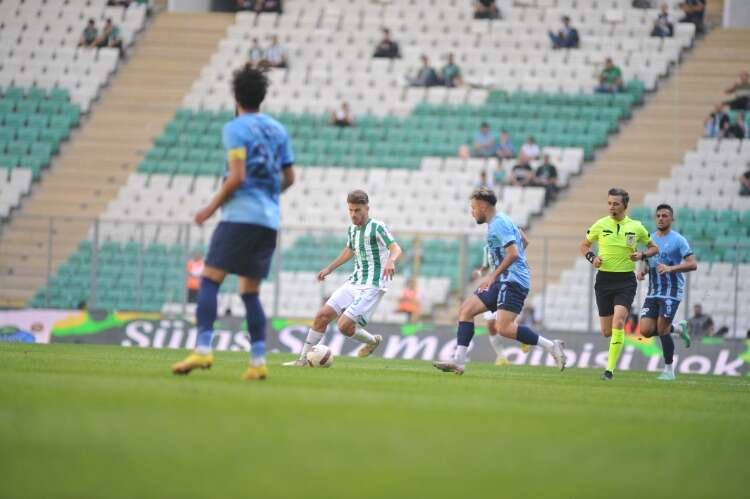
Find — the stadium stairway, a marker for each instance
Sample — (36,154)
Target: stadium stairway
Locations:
(656,139)
(91,169)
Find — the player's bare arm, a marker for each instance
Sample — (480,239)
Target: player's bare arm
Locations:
(689,265)
(595,260)
(511,255)
(235,178)
(390,265)
(287,178)
(640,274)
(651,250)
(345,255)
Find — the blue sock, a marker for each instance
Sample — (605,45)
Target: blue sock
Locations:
(465,333)
(206,312)
(527,336)
(256,326)
(667,346)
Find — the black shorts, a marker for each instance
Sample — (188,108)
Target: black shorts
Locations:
(614,288)
(504,296)
(242,249)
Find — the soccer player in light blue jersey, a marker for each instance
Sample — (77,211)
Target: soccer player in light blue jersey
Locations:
(503,290)
(259,167)
(666,284)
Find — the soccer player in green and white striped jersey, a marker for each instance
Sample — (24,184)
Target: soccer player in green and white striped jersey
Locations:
(375,252)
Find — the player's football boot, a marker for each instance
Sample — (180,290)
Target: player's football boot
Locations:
(607,376)
(366,350)
(193,361)
(666,376)
(501,361)
(684,328)
(449,367)
(255,372)
(558,353)
(296,362)
(525,348)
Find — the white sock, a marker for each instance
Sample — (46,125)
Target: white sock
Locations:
(669,368)
(203,350)
(497,344)
(545,343)
(363,336)
(313,338)
(460,356)
(258,361)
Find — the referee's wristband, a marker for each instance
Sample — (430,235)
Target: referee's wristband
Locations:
(590,256)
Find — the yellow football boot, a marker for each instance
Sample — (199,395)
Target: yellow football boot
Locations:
(253,373)
(193,361)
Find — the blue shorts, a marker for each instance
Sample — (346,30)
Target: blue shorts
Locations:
(242,249)
(660,307)
(504,296)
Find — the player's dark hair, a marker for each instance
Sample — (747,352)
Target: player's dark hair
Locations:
(484,194)
(484,125)
(618,191)
(665,206)
(357,197)
(249,86)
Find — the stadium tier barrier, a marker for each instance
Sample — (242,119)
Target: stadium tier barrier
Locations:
(142,274)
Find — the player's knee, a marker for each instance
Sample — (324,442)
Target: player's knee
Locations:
(346,326)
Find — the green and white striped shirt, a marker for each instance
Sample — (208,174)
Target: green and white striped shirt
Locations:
(370,245)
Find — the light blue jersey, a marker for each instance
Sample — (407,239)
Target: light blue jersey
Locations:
(267,150)
(673,248)
(501,233)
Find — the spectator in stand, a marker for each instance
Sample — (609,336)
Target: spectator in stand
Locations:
(700,324)
(745,183)
(275,55)
(736,130)
(610,79)
(529,151)
(663,25)
(484,144)
(566,38)
(342,117)
(546,176)
(522,174)
(505,148)
(694,11)
(741,91)
(89,36)
(387,48)
(259,6)
(255,55)
(410,299)
(194,269)
(450,74)
(426,75)
(486,9)
(110,37)
(715,122)
(484,181)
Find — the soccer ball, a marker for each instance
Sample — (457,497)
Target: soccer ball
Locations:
(320,356)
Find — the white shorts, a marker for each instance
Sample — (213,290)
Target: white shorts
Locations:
(356,302)
(490,316)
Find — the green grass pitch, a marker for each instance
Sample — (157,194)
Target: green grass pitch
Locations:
(109,422)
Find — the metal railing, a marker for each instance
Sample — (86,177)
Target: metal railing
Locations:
(720,286)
